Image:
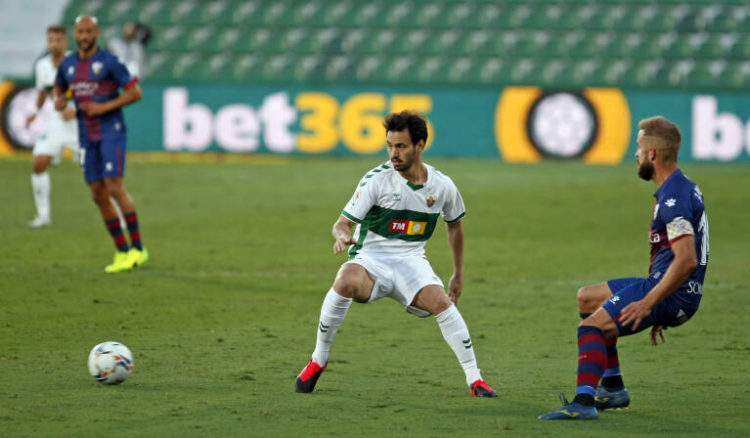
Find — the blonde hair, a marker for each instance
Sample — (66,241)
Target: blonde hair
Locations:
(660,133)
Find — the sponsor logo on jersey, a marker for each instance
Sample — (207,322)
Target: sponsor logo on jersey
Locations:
(431,201)
(96,67)
(671,202)
(396,196)
(84,88)
(407,227)
(71,71)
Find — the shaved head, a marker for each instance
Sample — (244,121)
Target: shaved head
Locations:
(85,33)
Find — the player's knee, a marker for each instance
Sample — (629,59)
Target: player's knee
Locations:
(100,196)
(586,303)
(350,287)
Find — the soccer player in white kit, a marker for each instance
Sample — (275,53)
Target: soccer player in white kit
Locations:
(395,209)
(61,129)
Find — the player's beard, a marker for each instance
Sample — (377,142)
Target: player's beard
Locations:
(646,170)
(85,45)
(401,166)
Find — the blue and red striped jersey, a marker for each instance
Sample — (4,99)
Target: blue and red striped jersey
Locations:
(96,78)
(678,212)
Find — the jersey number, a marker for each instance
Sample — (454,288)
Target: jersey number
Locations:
(703,228)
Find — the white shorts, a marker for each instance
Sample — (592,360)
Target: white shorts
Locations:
(52,144)
(400,278)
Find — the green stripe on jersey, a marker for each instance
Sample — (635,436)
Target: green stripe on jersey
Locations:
(409,225)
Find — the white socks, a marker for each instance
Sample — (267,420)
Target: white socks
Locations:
(331,316)
(40,182)
(456,334)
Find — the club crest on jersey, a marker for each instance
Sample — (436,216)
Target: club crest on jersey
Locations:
(96,67)
(431,201)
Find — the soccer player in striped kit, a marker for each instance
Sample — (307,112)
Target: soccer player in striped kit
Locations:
(668,297)
(94,77)
(395,209)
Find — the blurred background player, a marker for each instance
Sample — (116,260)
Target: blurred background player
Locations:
(395,209)
(60,131)
(668,297)
(94,77)
(131,48)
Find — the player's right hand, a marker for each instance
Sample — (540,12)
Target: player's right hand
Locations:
(30,120)
(69,114)
(342,243)
(654,332)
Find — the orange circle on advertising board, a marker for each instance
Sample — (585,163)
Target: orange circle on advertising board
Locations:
(593,125)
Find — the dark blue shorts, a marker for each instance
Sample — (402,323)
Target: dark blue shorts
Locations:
(103,159)
(673,311)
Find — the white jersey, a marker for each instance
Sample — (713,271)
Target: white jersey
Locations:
(396,217)
(46,72)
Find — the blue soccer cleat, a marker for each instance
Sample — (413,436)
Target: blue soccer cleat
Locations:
(616,399)
(571,411)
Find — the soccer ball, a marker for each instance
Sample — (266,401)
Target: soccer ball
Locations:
(110,363)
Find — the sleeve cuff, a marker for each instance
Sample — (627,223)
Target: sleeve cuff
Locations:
(460,216)
(350,217)
(131,83)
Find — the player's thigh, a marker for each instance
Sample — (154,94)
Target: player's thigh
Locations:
(592,297)
(353,281)
(91,162)
(636,290)
(113,156)
(432,298)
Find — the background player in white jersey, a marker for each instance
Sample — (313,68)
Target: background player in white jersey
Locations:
(395,209)
(61,129)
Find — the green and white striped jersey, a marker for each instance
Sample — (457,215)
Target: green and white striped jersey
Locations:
(396,217)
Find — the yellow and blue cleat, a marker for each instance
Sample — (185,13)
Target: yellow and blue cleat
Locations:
(123,261)
(571,411)
(140,257)
(614,399)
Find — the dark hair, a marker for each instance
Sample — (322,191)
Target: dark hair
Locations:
(416,124)
(57,28)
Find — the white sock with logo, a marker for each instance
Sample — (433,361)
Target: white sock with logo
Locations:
(332,314)
(41,185)
(456,334)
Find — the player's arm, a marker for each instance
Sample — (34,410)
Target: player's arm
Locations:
(131,94)
(342,234)
(685,260)
(40,98)
(456,243)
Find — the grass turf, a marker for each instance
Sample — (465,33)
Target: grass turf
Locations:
(224,315)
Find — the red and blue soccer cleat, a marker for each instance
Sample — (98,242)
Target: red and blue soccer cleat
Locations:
(309,377)
(480,388)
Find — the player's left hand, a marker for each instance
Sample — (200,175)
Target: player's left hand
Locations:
(634,313)
(92,109)
(654,331)
(454,288)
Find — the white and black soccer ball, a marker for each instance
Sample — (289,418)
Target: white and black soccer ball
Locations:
(110,363)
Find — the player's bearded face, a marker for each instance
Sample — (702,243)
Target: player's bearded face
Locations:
(56,43)
(85,35)
(401,151)
(645,165)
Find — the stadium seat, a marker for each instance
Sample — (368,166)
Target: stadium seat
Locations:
(471,42)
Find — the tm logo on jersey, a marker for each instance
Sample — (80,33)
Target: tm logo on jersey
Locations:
(407,227)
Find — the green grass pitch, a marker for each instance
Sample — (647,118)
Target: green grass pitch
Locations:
(223,317)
